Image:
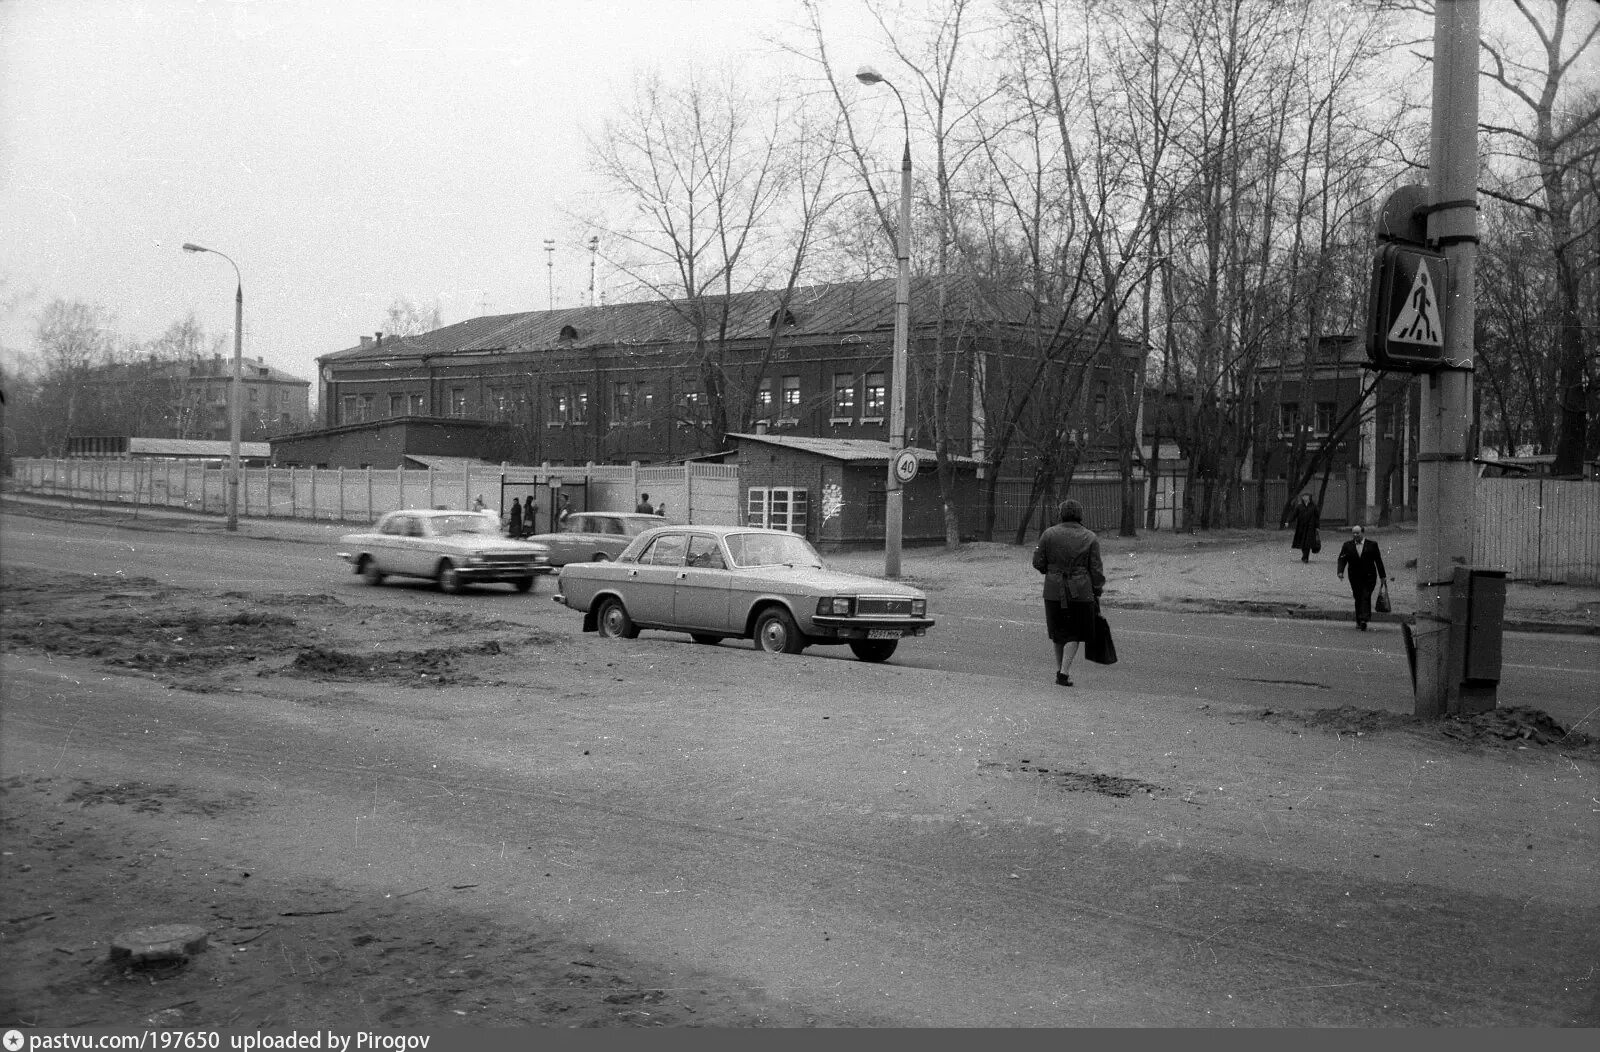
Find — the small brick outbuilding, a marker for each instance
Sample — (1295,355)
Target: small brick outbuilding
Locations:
(831,490)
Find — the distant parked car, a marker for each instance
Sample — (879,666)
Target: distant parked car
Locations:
(719,582)
(453,548)
(590,536)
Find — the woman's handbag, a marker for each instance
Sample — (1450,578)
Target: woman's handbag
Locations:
(1316,541)
(1100,649)
(1381,604)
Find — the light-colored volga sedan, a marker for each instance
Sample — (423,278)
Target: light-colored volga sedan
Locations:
(720,582)
(453,548)
(594,535)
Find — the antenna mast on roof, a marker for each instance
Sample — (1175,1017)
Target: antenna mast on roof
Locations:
(550,266)
(594,251)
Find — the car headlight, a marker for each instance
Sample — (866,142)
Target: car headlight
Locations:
(836,606)
(474,560)
(919,608)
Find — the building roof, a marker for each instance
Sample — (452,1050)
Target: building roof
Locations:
(853,450)
(846,309)
(196,447)
(448,463)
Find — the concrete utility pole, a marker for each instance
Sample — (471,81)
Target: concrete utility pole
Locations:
(1446,515)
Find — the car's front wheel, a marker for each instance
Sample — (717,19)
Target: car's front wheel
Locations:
(370,572)
(874,650)
(776,632)
(449,578)
(613,621)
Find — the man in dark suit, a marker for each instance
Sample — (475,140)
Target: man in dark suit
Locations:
(1365,563)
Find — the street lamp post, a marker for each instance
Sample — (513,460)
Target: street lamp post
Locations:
(233,395)
(550,269)
(893,489)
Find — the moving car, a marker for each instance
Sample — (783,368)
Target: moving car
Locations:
(590,536)
(720,582)
(453,548)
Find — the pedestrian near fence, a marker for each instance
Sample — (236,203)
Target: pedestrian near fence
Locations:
(1364,562)
(1306,518)
(1068,554)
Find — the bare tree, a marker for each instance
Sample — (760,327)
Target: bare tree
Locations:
(1549,152)
(706,175)
(405,318)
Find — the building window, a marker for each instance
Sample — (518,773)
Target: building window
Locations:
(872,409)
(347,409)
(560,406)
(1288,418)
(776,508)
(621,403)
(418,405)
(877,503)
(791,396)
(844,396)
(1326,411)
(365,407)
(764,400)
(580,403)
(458,401)
(397,405)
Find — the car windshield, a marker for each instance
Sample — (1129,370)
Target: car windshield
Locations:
(634,527)
(444,525)
(772,549)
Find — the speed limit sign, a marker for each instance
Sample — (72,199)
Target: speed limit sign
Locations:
(905,465)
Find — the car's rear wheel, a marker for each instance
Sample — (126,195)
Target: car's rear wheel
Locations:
(705,638)
(600,557)
(524,584)
(776,632)
(370,572)
(874,650)
(449,578)
(613,621)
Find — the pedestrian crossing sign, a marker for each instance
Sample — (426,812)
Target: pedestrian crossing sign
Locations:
(1406,309)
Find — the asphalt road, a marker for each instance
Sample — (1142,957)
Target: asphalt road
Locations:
(880,841)
(1290,664)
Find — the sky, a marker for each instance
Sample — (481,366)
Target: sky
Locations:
(342,153)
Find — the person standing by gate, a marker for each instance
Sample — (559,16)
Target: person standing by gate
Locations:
(1307,521)
(530,513)
(1069,557)
(1365,563)
(514,525)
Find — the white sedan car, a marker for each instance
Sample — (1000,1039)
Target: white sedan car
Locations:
(452,548)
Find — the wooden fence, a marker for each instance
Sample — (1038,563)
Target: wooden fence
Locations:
(1539,529)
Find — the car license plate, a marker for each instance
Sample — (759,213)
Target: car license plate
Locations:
(884,633)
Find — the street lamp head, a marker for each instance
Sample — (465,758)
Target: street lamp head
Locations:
(194,248)
(868,75)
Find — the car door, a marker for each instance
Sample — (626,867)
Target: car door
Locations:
(700,601)
(648,585)
(388,545)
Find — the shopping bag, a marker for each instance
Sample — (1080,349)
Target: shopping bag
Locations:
(1100,649)
(1382,604)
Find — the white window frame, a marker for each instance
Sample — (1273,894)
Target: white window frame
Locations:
(777,508)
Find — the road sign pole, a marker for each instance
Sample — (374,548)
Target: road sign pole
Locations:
(1446,515)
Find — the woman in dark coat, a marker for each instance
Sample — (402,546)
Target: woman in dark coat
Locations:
(530,513)
(1069,557)
(1307,519)
(514,527)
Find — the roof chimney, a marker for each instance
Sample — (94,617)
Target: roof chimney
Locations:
(377,339)
(366,341)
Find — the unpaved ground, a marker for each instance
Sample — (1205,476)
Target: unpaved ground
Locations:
(86,860)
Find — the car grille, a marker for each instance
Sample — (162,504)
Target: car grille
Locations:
(883,606)
(512,559)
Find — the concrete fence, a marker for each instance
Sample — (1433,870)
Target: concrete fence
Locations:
(1534,529)
(692,492)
